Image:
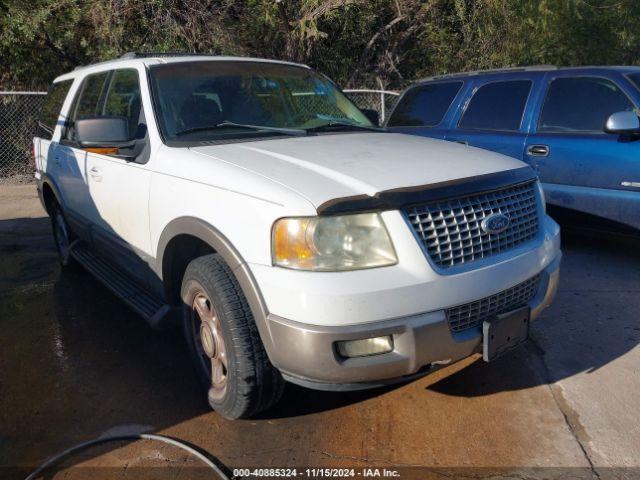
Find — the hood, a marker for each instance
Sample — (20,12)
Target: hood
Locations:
(322,168)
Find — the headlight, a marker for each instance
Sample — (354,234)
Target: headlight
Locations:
(347,242)
(542,197)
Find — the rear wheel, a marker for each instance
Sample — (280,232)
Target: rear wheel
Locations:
(224,341)
(63,237)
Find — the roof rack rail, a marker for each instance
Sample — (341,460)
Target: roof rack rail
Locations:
(491,70)
(130,55)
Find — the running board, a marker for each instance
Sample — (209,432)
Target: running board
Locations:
(142,302)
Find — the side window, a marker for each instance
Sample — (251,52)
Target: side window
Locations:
(87,101)
(497,106)
(635,79)
(51,108)
(424,106)
(90,95)
(123,98)
(581,104)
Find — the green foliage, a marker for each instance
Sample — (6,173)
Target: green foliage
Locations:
(356,42)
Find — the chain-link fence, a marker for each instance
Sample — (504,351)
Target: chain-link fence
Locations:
(312,103)
(18,120)
(19,116)
(380,100)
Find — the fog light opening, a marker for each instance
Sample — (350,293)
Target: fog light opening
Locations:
(365,347)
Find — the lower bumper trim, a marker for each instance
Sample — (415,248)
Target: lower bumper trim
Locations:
(356,386)
(306,354)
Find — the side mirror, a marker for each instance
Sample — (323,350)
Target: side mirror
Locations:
(103,132)
(372,115)
(622,123)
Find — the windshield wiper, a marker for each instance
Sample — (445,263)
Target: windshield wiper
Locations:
(226,124)
(339,123)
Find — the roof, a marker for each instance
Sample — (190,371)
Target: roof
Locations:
(532,68)
(154,58)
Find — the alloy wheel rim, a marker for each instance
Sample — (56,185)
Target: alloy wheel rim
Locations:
(209,340)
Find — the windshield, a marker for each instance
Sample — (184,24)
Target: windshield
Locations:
(201,101)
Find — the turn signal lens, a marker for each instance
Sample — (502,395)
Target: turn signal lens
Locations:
(102,150)
(289,243)
(366,347)
(336,243)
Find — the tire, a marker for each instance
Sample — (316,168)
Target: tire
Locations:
(63,237)
(224,342)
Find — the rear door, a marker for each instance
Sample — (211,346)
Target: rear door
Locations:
(425,109)
(80,209)
(494,116)
(582,167)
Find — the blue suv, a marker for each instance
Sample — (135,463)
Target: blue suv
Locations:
(577,127)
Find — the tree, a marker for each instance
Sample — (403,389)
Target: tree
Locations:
(357,42)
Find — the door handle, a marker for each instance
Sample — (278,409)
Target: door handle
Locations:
(538,150)
(462,142)
(96,174)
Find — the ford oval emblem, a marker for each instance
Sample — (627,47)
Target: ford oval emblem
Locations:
(495,223)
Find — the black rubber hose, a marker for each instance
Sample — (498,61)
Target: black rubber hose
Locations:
(141,436)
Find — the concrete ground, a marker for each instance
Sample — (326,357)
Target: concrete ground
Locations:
(75,364)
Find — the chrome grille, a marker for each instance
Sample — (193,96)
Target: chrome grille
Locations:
(473,314)
(451,233)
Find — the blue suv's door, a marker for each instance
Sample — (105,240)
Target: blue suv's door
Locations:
(495,117)
(583,168)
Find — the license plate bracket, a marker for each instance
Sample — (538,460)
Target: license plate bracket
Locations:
(505,332)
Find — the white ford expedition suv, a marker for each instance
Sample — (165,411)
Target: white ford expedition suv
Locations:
(253,203)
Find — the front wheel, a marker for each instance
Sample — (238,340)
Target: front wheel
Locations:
(224,341)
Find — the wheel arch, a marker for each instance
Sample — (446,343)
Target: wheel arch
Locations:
(203,238)
(50,193)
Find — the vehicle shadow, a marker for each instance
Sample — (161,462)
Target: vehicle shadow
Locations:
(592,322)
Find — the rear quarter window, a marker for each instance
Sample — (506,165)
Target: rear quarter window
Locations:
(424,105)
(51,108)
(497,106)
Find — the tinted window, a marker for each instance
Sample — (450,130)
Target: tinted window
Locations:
(581,104)
(425,106)
(51,108)
(635,78)
(497,106)
(90,95)
(123,98)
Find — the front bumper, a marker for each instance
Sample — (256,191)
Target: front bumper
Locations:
(306,354)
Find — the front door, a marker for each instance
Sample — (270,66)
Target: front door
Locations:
(117,184)
(583,168)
